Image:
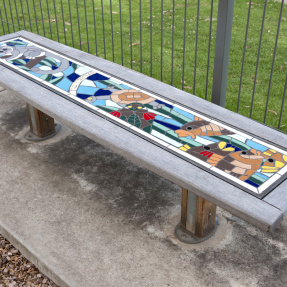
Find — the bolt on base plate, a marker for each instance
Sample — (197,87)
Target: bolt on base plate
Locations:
(34,138)
(189,238)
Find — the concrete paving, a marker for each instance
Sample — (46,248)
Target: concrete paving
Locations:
(86,216)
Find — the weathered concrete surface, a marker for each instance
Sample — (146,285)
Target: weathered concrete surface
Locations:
(88,217)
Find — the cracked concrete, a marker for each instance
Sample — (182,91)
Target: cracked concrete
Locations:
(88,217)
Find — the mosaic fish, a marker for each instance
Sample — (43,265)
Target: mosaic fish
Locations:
(201,127)
(274,162)
(241,164)
(229,158)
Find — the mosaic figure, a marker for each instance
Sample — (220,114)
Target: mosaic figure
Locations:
(201,127)
(32,57)
(245,160)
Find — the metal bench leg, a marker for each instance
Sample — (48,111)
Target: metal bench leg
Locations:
(42,126)
(198,218)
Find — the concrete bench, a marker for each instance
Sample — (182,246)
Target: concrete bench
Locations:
(218,157)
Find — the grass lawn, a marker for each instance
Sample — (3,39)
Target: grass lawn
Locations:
(164,59)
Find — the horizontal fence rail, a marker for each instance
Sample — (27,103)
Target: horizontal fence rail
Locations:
(174,42)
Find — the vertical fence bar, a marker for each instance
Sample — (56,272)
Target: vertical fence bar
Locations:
(6,16)
(36,19)
(103,22)
(2,22)
(71,20)
(64,26)
(79,26)
(131,37)
(141,38)
(87,29)
(257,62)
(29,16)
(222,49)
(112,28)
(122,51)
(273,61)
(151,38)
(42,18)
(48,10)
(12,18)
(95,27)
(56,19)
(172,48)
(208,53)
(17,15)
(161,40)
(23,14)
(243,57)
(282,104)
(184,35)
(196,42)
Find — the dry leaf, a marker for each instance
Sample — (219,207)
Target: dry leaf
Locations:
(82,43)
(208,19)
(53,20)
(281,67)
(113,12)
(134,44)
(248,47)
(275,113)
(188,87)
(67,23)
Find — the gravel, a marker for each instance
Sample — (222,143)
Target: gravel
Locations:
(16,270)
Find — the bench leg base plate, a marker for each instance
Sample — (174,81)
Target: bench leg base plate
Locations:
(185,236)
(29,136)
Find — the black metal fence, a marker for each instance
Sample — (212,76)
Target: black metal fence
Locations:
(175,41)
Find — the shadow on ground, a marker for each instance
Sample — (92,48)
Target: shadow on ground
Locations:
(139,204)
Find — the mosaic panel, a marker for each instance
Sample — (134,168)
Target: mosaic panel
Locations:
(236,157)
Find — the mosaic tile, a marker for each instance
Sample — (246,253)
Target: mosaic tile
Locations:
(232,130)
(10,65)
(194,159)
(283,170)
(195,114)
(270,181)
(56,88)
(237,157)
(227,175)
(150,136)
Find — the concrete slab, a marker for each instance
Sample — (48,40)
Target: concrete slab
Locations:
(88,217)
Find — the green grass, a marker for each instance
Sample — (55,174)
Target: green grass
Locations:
(162,69)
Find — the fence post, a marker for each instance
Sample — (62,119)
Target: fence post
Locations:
(222,49)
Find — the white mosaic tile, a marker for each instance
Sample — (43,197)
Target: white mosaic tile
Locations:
(267,183)
(10,65)
(150,136)
(283,170)
(234,179)
(108,115)
(30,75)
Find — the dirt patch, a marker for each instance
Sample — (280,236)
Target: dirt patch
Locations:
(16,270)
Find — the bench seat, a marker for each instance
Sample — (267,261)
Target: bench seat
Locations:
(265,212)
